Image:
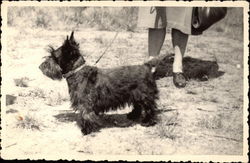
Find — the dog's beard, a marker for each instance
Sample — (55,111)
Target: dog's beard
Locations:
(51,69)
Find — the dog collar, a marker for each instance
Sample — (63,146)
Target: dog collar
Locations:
(68,74)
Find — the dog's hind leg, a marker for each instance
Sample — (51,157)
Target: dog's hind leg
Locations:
(88,122)
(144,111)
(149,115)
(135,113)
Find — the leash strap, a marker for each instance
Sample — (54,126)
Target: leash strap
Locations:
(106,48)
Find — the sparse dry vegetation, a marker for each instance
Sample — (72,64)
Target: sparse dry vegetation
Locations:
(167,127)
(28,122)
(101,18)
(203,118)
(23,82)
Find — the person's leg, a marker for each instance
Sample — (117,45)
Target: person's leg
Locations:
(179,41)
(156,39)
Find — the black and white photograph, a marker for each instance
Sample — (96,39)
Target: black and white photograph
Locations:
(146,81)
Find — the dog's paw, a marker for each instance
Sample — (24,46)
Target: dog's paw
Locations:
(147,123)
(134,115)
(86,131)
(87,127)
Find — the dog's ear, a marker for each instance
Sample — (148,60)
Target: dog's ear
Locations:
(51,69)
(72,36)
(71,39)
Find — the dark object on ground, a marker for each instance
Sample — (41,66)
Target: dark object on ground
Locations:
(10,99)
(94,91)
(11,111)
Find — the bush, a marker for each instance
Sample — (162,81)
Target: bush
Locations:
(103,18)
(28,122)
(22,82)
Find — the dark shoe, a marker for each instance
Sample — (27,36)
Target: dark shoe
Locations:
(179,80)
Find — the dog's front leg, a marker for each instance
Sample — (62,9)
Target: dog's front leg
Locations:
(149,115)
(88,121)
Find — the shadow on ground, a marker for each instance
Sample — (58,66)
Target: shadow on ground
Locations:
(111,120)
(66,117)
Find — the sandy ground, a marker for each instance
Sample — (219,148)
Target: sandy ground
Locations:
(204,118)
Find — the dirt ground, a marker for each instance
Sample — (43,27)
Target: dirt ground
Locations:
(204,118)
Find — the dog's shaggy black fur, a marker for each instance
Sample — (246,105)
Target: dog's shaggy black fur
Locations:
(94,91)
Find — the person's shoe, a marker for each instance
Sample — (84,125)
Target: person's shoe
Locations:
(179,79)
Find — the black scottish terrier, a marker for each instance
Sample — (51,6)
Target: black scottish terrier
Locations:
(94,91)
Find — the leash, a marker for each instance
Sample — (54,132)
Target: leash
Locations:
(80,67)
(107,48)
